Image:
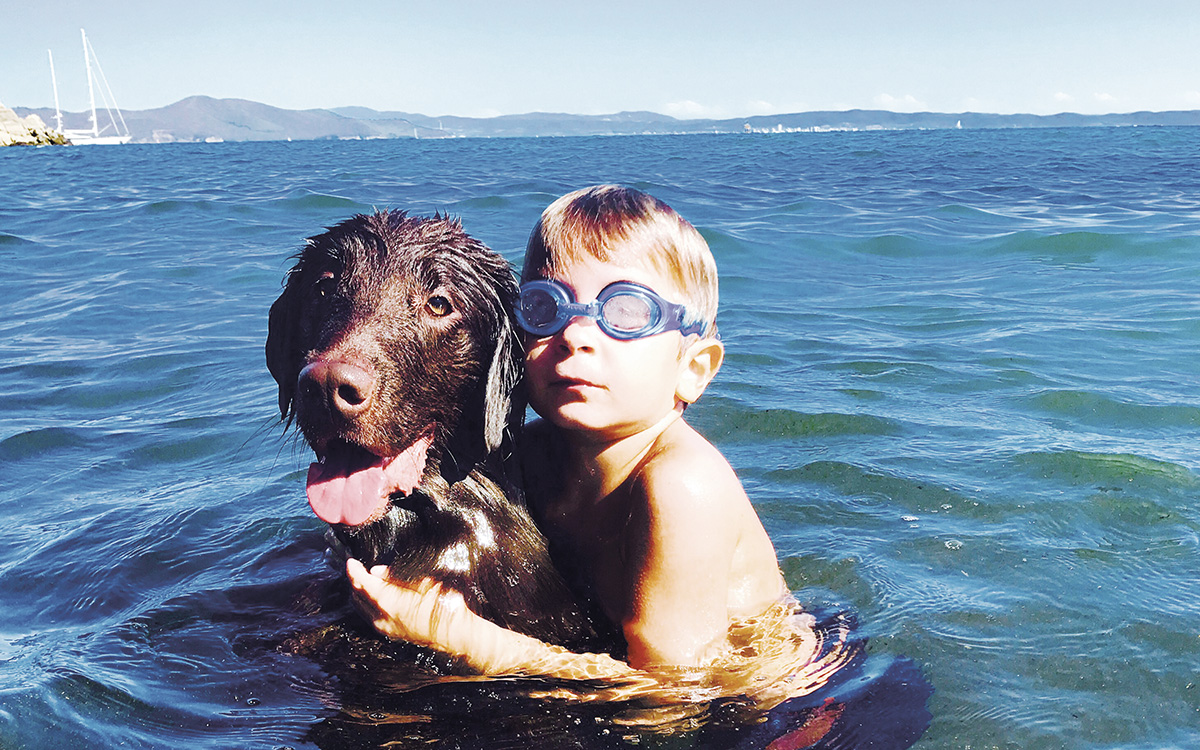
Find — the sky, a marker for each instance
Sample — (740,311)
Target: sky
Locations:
(685,58)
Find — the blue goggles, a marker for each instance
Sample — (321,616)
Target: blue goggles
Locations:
(623,310)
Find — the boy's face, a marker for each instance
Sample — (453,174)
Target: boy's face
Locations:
(582,379)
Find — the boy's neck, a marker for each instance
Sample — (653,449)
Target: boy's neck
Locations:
(605,463)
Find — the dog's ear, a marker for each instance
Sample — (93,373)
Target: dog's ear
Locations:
(281,345)
(503,409)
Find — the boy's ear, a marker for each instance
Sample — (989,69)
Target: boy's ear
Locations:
(698,366)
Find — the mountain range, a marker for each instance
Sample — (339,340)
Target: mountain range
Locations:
(201,118)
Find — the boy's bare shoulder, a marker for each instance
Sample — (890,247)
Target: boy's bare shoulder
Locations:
(681,447)
(684,466)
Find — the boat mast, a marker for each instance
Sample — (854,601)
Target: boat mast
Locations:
(87,60)
(54,82)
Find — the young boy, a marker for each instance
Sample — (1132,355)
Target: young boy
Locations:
(619,299)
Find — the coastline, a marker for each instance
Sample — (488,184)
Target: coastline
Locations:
(27,131)
(199,119)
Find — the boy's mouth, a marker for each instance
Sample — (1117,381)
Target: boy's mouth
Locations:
(568,382)
(566,376)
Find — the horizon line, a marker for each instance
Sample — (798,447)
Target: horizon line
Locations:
(634,111)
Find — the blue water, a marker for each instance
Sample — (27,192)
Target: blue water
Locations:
(962,388)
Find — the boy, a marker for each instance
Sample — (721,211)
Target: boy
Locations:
(619,298)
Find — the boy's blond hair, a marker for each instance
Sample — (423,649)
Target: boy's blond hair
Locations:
(615,224)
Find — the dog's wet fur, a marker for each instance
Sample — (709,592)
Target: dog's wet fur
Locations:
(387,325)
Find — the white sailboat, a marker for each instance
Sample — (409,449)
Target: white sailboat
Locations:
(95,135)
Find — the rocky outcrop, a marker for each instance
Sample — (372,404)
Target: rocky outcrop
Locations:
(27,131)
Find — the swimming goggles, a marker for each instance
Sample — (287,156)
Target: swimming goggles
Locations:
(623,310)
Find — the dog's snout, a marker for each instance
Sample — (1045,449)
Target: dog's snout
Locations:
(344,388)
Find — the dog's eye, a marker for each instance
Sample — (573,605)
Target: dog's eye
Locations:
(326,285)
(439,306)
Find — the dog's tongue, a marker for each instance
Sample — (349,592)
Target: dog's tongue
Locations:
(352,485)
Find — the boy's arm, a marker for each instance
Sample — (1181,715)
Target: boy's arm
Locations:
(683,533)
(427,615)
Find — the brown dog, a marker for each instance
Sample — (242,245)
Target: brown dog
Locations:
(396,355)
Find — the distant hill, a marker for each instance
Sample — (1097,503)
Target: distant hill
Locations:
(200,118)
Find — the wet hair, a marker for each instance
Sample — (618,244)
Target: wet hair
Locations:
(615,224)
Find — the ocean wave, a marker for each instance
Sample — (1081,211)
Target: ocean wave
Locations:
(13,240)
(307,201)
(172,206)
(901,493)
(733,423)
(1119,470)
(40,442)
(1090,407)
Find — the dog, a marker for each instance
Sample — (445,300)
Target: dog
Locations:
(397,357)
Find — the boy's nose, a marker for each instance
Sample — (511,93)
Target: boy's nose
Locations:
(579,334)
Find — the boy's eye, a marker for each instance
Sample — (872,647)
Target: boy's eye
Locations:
(438,306)
(627,312)
(539,307)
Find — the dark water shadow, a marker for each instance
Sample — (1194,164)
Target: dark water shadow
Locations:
(287,664)
(392,696)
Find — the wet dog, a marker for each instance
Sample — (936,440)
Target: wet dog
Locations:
(396,354)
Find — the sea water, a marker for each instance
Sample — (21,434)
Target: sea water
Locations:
(962,389)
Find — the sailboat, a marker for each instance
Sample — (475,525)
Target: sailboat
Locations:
(95,135)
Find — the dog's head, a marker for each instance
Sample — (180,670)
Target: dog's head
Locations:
(396,355)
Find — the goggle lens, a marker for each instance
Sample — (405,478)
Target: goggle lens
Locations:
(538,311)
(628,312)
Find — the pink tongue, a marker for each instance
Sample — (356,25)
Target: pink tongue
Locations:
(349,488)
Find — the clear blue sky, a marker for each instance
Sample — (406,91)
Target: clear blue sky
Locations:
(678,57)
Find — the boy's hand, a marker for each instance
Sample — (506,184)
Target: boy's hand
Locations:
(426,614)
(423,612)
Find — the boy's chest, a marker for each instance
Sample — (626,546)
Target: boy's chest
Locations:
(595,535)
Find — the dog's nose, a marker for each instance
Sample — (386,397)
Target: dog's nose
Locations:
(345,388)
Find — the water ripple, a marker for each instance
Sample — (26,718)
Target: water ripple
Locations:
(959,389)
